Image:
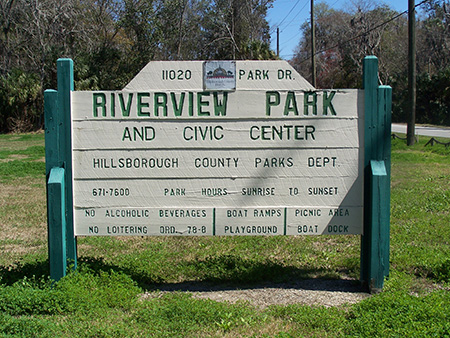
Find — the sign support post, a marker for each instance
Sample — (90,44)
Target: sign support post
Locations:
(58,158)
(377,170)
(56,224)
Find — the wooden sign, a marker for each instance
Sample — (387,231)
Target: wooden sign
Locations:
(217,148)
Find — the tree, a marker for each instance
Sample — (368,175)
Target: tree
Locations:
(343,38)
(232,26)
(332,28)
(434,37)
(111,40)
(9,17)
(19,94)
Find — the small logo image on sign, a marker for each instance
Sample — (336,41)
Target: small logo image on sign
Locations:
(219,75)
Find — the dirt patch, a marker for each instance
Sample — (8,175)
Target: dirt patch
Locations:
(313,292)
(13,157)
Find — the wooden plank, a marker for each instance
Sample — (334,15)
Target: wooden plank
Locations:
(304,133)
(56,223)
(380,193)
(65,87)
(53,155)
(253,221)
(370,83)
(216,163)
(385,106)
(250,74)
(197,105)
(380,220)
(233,192)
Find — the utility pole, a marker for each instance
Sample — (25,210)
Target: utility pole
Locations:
(313,46)
(278,41)
(411,73)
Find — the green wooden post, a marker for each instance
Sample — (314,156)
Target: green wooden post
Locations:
(58,166)
(383,152)
(56,224)
(65,87)
(54,159)
(52,134)
(377,164)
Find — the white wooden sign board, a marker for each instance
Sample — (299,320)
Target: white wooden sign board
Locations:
(254,151)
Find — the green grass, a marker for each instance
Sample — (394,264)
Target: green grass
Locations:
(21,155)
(105,296)
(420,210)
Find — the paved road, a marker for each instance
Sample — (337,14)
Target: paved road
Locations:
(420,130)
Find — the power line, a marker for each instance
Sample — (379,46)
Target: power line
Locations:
(288,40)
(278,25)
(334,3)
(289,13)
(366,32)
(298,13)
(295,17)
(288,24)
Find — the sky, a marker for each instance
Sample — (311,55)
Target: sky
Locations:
(289,15)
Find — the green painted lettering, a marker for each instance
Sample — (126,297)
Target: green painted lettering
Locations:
(191,103)
(160,100)
(126,134)
(125,110)
(327,103)
(99,101)
(220,107)
(141,104)
(272,99)
(177,108)
(201,103)
(310,101)
(113,105)
(291,104)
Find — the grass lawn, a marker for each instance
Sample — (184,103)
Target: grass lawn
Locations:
(104,297)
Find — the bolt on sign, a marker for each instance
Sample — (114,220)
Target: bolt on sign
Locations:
(217,148)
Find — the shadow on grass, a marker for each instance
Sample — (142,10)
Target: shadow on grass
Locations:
(18,271)
(232,272)
(224,272)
